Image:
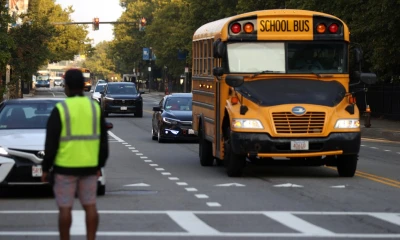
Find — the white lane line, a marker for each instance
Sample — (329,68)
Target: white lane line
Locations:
(398,152)
(53,94)
(201,196)
(173,178)
(191,189)
(298,224)
(78,222)
(166,173)
(124,143)
(148,161)
(160,169)
(182,183)
(154,165)
(362,145)
(191,223)
(387,150)
(142,157)
(135,150)
(388,217)
(130,147)
(373,147)
(116,138)
(139,154)
(213,204)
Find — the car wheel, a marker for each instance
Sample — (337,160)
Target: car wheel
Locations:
(153,137)
(101,190)
(347,165)
(205,150)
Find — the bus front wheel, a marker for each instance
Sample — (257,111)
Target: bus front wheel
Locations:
(205,149)
(347,165)
(234,163)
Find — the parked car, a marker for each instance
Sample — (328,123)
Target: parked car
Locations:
(96,93)
(58,82)
(22,138)
(121,97)
(172,118)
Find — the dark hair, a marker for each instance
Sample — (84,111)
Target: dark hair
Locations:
(74,79)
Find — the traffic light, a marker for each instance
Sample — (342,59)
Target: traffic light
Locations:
(142,24)
(96,23)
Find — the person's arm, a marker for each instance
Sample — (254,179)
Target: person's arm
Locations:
(53,132)
(103,154)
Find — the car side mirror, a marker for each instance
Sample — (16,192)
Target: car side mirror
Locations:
(234,81)
(156,109)
(109,125)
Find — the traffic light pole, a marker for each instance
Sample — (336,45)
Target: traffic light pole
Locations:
(75,23)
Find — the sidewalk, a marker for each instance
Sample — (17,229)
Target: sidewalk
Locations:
(381,128)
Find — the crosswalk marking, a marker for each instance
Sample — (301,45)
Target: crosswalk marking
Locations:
(195,224)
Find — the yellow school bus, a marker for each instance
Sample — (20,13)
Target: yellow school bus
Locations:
(275,84)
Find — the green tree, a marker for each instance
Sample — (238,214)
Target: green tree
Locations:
(6,44)
(99,63)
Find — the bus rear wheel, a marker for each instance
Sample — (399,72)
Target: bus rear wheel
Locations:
(205,150)
(347,165)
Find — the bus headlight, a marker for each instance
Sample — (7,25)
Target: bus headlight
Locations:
(247,123)
(347,123)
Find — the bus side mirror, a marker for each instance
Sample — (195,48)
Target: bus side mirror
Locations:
(218,71)
(234,81)
(218,49)
(368,78)
(358,55)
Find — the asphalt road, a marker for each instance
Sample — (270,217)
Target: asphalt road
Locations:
(160,191)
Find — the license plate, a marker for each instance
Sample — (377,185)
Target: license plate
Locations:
(36,171)
(191,131)
(299,145)
(124,108)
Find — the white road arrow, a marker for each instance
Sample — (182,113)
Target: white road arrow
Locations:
(339,186)
(288,185)
(137,185)
(230,185)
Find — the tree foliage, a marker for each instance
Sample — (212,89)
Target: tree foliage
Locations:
(99,63)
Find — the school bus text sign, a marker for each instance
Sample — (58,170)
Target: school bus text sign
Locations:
(296,28)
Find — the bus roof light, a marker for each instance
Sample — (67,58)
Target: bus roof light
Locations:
(248,28)
(333,28)
(236,28)
(321,28)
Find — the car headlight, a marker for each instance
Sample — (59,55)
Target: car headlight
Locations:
(247,123)
(108,98)
(170,121)
(3,151)
(347,123)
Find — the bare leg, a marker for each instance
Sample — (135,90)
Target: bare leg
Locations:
(64,222)
(92,221)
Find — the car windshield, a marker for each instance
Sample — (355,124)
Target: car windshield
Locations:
(27,115)
(179,104)
(38,78)
(99,88)
(121,89)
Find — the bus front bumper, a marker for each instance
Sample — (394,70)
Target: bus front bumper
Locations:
(263,145)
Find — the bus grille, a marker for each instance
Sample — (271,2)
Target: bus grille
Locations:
(311,122)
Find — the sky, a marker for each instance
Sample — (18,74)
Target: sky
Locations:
(86,10)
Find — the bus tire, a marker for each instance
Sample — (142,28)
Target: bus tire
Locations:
(205,150)
(347,165)
(234,163)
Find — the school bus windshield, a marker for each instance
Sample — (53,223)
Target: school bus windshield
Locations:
(289,57)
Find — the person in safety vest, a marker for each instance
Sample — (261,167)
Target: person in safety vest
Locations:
(76,149)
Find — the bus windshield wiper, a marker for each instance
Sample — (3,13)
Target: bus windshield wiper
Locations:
(265,71)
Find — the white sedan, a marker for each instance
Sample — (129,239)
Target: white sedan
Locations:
(22,138)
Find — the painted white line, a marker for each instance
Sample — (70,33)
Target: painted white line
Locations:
(362,145)
(142,157)
(191,223)
(182,183)
(398,152)
(160,169)
(191,189)
(78,226)
(166,173)
(130,147)
(298,224)
(373,147)
(154,165)
(213,204)
(387,150)
(124,143)
(115,137)
(388,217)
(201,196)
(148,160)
(173,178)
(139,154)
(135,150)
(53,94)
(137,185)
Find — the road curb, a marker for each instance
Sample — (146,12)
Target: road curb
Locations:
(392,135)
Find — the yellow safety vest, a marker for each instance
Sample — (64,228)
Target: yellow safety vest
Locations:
(80,133)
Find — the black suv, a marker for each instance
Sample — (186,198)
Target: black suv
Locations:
(121,97)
